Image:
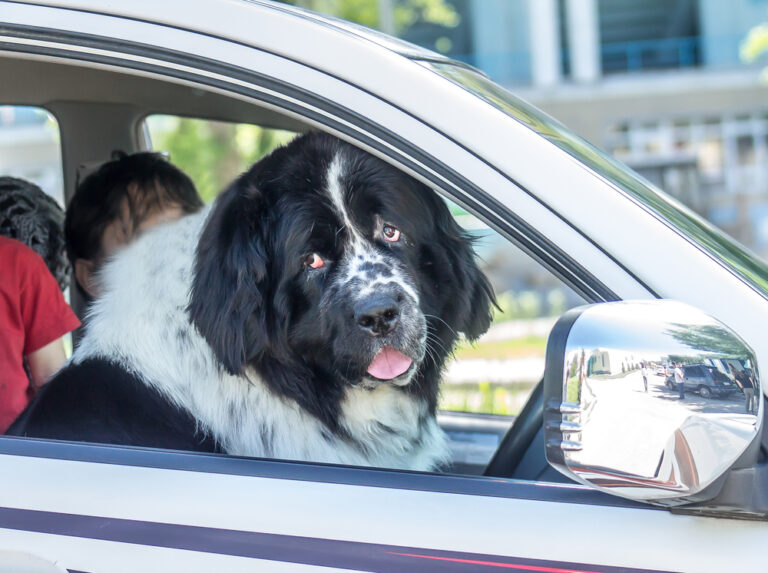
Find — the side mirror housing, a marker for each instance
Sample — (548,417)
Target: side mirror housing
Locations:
(651,400)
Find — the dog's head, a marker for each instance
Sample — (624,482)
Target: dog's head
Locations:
(328,263)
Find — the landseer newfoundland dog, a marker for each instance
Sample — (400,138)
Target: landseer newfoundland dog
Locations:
(306,315)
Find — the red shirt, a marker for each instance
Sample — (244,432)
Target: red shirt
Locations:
(33,313)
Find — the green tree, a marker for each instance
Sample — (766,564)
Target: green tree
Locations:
(368,12)
(212,153)
(756,44)
(709,339)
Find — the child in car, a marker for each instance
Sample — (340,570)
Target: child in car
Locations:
(115,204)
(34,317)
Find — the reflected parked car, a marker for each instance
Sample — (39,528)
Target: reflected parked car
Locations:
(707,381)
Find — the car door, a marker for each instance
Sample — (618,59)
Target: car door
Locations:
(95,508)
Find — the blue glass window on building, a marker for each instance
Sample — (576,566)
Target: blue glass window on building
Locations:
(638,35)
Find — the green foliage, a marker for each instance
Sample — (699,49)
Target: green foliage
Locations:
(574,390)
(557,302)
(485,398)
(212,153)
(367,12)
(524,347)
(527,304)
(409,12)
(507,307)
(755,44)
(709,339)
(486,404)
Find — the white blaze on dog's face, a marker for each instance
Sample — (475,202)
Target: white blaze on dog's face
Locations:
(381,299)
(324,267)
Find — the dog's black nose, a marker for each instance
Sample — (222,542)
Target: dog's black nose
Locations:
(378,315)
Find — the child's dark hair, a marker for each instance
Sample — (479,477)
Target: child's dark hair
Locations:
(143,181)
(29,215)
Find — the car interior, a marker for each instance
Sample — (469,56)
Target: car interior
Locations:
(99,110)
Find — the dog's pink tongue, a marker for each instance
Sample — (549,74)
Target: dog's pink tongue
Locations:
(389,363)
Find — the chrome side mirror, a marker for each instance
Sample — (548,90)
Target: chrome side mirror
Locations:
(649,400)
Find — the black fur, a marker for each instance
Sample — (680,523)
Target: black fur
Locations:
(101,402)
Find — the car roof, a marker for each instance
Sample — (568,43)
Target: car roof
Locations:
(392,43)
(299,34)
(177,12)
(370,60)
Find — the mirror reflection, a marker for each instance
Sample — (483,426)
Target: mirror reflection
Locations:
(655,394)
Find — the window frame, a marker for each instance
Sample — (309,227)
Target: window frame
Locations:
(386,142)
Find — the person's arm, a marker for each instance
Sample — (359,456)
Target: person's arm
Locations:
(46,317)
(46,361)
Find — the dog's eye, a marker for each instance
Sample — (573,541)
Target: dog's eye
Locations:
(391,234)
(314,261)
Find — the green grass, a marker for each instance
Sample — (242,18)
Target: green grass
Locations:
(574,389)
(485,398)
(516,348)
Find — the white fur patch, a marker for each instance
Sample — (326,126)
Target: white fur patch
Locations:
(361,252)
(336,194)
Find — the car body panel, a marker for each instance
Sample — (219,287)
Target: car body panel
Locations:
(84,494)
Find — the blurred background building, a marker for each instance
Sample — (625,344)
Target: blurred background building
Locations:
(657,83)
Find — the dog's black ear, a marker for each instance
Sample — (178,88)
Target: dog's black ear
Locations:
(470,311)
(479,314)
(228,286)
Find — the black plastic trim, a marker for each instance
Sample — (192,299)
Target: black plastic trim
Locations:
(553,384)
(518,438)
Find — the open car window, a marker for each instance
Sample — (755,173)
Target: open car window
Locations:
(212,153)
(30,148)
(496,373)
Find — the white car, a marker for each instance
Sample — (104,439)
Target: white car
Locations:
(664,486)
